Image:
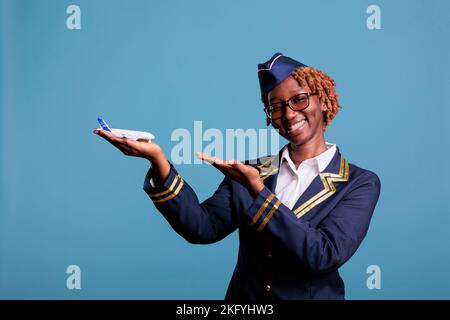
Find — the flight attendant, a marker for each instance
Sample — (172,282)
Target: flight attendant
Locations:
(301,213)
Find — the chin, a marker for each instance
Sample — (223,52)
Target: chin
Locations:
(297,140)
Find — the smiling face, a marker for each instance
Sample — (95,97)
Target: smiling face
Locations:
(299,127)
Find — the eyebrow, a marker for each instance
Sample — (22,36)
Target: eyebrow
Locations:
(293,93)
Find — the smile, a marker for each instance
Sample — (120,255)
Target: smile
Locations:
(296,127)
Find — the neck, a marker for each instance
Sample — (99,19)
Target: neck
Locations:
(307,150)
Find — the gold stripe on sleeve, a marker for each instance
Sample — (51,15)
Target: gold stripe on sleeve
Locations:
(269,215)
(171,195)
(172,185)
(262,208)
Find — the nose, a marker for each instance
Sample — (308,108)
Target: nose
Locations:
(288,113)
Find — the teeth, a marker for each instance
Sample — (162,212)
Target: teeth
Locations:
(296,125)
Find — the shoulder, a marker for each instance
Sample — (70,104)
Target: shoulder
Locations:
(362,176)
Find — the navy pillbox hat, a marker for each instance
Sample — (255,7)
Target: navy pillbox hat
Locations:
(274,71)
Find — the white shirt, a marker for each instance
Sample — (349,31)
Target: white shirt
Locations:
(292,182)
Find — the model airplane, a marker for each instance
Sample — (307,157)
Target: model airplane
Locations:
(129,134)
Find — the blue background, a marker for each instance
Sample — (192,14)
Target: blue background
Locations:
(68,197)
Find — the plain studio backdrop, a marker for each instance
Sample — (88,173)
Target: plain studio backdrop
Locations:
(69,198)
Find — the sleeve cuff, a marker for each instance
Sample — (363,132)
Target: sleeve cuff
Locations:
(262,209)
(166,191)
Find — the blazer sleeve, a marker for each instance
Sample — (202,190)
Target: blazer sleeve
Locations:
(200,223)
(331,243)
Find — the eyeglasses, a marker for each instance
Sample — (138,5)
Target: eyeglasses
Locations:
(298,102)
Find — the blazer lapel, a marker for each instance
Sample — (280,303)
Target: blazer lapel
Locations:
(323,186)
(269,169)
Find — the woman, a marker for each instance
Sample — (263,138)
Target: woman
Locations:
(301,214)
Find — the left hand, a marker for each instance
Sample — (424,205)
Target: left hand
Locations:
(246,175)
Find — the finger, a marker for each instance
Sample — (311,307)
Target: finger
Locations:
(233,162)
(221,169)
(117,141)
(105,134)
(237,166)
(217,163)
(203,156)
(246,169)
(227,168)
(210,159)
(126,146)
(240,166)
(228,171)
(134,146)
(126,149)
(123,144)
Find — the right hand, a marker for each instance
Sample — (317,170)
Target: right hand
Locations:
(135,148)
(143,149)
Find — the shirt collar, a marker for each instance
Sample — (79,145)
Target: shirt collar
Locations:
(319,162)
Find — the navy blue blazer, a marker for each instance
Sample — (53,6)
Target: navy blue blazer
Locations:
(283,253)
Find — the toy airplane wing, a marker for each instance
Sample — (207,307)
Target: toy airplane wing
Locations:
(129,134)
